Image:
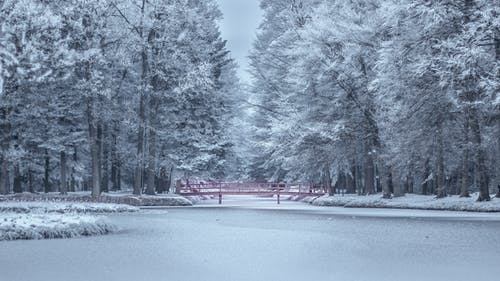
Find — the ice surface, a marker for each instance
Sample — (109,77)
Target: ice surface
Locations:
(259,240)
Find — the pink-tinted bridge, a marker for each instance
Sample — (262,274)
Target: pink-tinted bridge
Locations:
(263,189)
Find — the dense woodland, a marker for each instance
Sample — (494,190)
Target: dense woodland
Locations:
(96,94)
(366,96)
(389,96)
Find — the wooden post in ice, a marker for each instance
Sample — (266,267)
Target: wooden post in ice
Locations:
(220,193)
(278,194)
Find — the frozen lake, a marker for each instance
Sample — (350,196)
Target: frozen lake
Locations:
(254,240)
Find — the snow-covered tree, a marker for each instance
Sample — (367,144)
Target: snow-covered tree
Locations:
(85,81)
(394,94)
(186,75)
(434,71)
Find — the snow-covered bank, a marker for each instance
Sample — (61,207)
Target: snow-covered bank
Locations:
(155,200)
(44,220)
(111,197)
(47,226)
(410,201)
(195,199)
(63,207)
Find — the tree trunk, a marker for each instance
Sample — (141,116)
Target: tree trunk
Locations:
(498,139)
(455,183)
(434,185)
(105,161)
(31,188)
(4,177)
(46,180)
(340,183)
(327,181)
(398,186)
(140,141)
(386,191)
(369,170)
(142,112)
(170,177)
(17,182)
(94,150)
(359,183)
(378,178)
(114,159)
(118,176)
(153,117)
(465,184)
(350,185)
(151,169)
(5,138)
(113,176)
(161,180)
(426,181)
(151,172)
(63,184)
(441,186)
(410,183)
(480,159)
(99,153)
(73,170)
(497,56)
(390,180)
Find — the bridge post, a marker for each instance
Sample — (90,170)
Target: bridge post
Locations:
(220,193)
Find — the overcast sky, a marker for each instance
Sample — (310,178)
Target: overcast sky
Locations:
(239,26)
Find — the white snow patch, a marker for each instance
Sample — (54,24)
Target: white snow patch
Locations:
(47,226)
(46,220)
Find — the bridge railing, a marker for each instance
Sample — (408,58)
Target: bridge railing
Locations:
(257,188)
(278,189)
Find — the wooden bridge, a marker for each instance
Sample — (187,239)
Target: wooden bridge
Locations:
(262,189)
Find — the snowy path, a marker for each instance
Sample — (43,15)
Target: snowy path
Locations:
(258,240)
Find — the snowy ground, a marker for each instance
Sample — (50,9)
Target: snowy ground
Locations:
(43,220)
(249,239)
(410,201)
